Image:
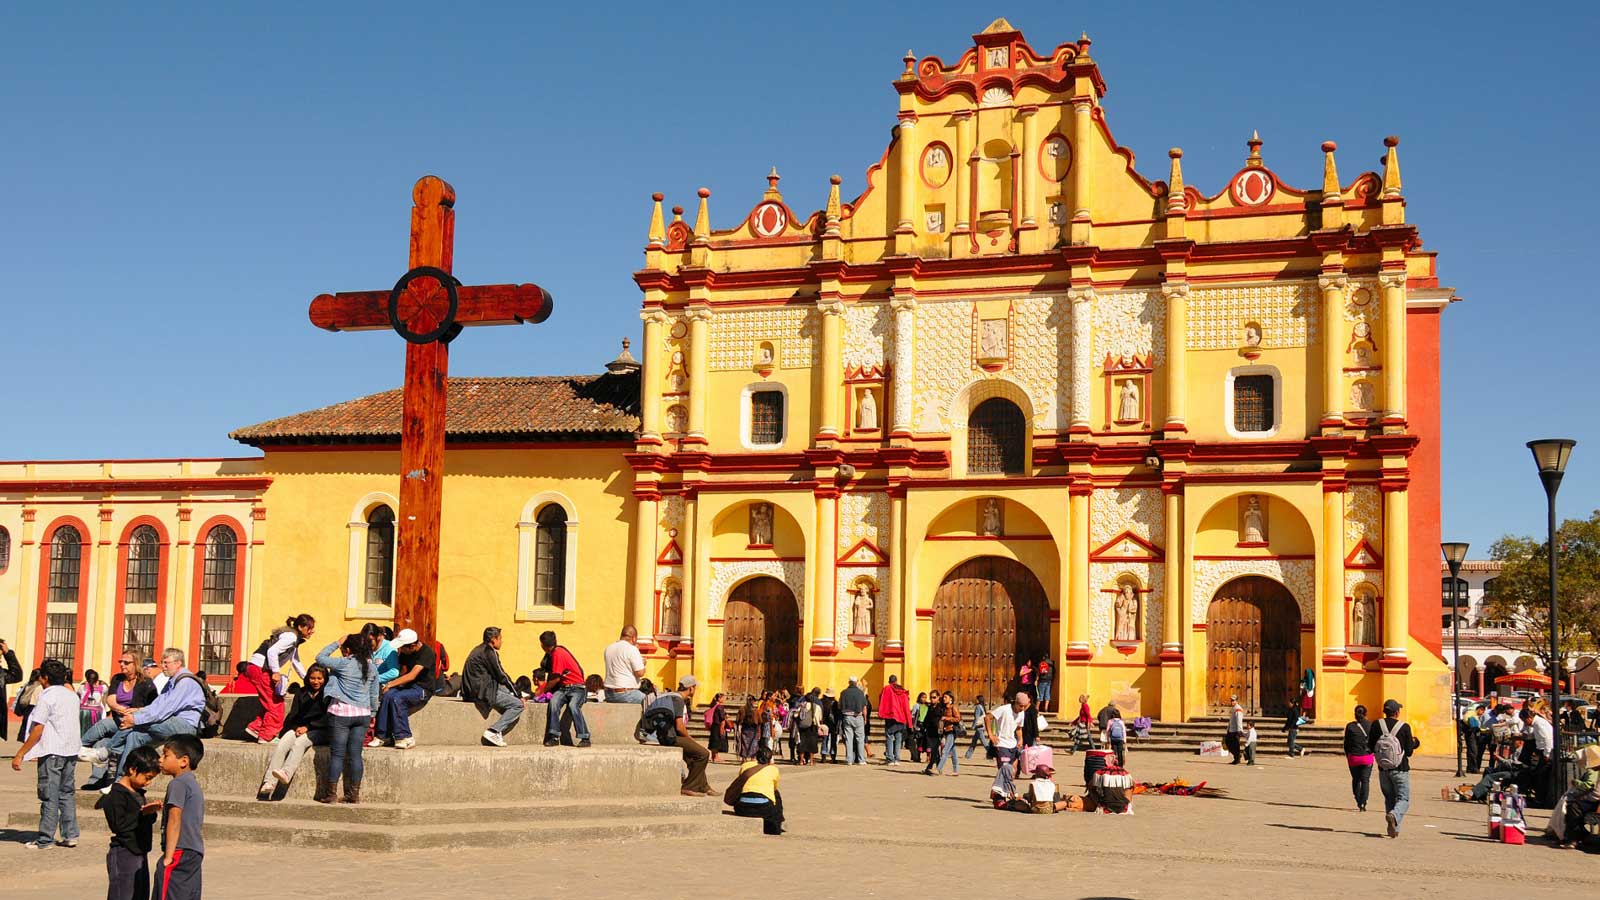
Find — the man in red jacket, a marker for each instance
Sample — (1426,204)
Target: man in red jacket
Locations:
(894,708)
(565,686)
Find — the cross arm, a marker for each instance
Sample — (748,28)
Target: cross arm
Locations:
(490,304)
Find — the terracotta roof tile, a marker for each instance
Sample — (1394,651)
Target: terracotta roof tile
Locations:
(552,407)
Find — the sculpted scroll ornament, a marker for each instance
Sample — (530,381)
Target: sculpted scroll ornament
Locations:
(1296,574)
(1287,313)
(726,575)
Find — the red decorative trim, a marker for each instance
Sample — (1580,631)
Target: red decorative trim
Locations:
(1231,557)
(924,613)
(1335,660)
(131,485)
(1079,654)
(989,537)
(1350,560)
(196,596)
(1396,664)
(671,554)
(894,653)
(880,558)
(1170,656)
(1103,554)
(85,553)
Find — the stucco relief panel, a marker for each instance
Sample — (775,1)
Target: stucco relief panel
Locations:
(735,335)
(868,336)
(1139,510)
(862,516)
(1287,314)
(1363,517)
(1129,323)
(1295,574)
(1042,357)
(1354,577)
(943,360)
(724,575)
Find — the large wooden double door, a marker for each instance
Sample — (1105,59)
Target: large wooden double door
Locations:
(1253,646)
(760,638)
(989,615)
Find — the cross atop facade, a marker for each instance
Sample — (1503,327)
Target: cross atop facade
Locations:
(428,307)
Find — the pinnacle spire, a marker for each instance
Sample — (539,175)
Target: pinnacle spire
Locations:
(658,231)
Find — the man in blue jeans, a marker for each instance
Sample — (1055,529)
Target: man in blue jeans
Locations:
(565,686)
(853,713)
(408,692)
(1394,768)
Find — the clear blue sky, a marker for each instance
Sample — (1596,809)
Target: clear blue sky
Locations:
(182,182)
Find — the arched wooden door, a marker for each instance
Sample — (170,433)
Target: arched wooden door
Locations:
(1253,646)
(760,638)
(989,615)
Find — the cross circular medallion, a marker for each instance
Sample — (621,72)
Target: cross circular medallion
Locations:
(423,305)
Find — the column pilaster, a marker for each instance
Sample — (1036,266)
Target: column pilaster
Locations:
(644,566)
(1396,577)
(1331,574)
(1082,377)
(1394,346)
(904,306)
(1333,337)
(1177,362)
(1030,173)
(906,167)
(830,374)
(895,593)
(1082,166)
(1172,618)
(655,321)
(699,352)
(827,551)
(1078,580)
(962,171)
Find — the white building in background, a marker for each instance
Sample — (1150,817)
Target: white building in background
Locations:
(1488,648)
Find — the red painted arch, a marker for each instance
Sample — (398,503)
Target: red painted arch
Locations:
(86,540)
(240,549)
(163,569)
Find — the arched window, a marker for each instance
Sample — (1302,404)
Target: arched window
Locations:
(996,437)
(141,592)
(380,557)
(1453,591)
(218,581)
(5,549)
(550,557)
(61,628)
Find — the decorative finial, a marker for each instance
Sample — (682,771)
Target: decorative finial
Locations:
(1177,201)
(677,214)
(1330,175)
(1254,159)
(658,232)
(910,71)
(1083,45)
(831,215)
(771,193)
(624,364)
(1391,167)
(702,217)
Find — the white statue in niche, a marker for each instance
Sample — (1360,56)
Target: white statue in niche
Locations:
(861,610)
(1364,621)
(1126,613)
(677,420)
(1361,395)
(1252,335)
(761,524)
(936,158)
(992,338)
(935,222)
(1255,522)
(671,606)
(764,355)
(989,517)
(998,57)
(1129,409)
(867,411)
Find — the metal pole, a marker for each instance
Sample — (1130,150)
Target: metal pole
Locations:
(1455,641)
(1552,482)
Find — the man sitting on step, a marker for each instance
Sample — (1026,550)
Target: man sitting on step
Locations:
(695,756)
(175,711)
(484,681)
(408,692)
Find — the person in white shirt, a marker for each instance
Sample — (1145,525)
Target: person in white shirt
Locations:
(624,668)
(154,674)
(53,739)
(1544,736)
(1008,725)
(1249,743)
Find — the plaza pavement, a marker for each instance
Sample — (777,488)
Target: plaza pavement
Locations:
(1287,828)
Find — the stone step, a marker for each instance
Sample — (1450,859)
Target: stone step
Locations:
(387,838)
(408,815)
(453,774)
(447,721)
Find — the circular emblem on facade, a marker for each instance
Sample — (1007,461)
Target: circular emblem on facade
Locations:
(769,220)
(936,165)
(1253,187)
(679,329)
(1055,158)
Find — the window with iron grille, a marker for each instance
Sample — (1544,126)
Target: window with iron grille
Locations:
(550,557)
(766,417)
(216,646)
(996,436)
(216,577)
(142,579)
(1252,403)
(380,556)
(66,556)
(139,635)
(61,638)
(5,549)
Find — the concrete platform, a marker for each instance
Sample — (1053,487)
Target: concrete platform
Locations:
(449,722)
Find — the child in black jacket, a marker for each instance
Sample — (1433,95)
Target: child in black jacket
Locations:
(131,820)
(305,726)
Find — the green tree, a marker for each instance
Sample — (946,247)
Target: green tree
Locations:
(1521,595)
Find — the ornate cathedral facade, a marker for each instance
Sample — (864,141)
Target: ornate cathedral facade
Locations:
(1017,400)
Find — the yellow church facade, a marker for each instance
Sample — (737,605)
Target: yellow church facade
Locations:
(1014,401)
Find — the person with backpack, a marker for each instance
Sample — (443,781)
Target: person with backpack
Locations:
(1392,745)
(184,706)
(807,716)
(673,707)
(263,674)
(1358,756)
(1117,737)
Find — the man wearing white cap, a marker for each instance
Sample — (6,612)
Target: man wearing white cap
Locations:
(408,692)
(695,756)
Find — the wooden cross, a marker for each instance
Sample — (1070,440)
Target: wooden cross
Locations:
(428,307)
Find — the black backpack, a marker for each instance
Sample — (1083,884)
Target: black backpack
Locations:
(211,714)
(660,722)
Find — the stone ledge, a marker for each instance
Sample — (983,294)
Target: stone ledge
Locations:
(449,722)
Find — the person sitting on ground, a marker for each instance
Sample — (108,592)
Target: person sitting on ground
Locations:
(129,689)
(624,667)
(566,686)
(408,692)
(305,726)
(1042,796)
(238,684)
(695,757)
(754,793)
(175,711)
(536,686)
(1583,798)
(484,681)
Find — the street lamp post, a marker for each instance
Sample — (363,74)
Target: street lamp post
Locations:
(1454,553)
(1551,457)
